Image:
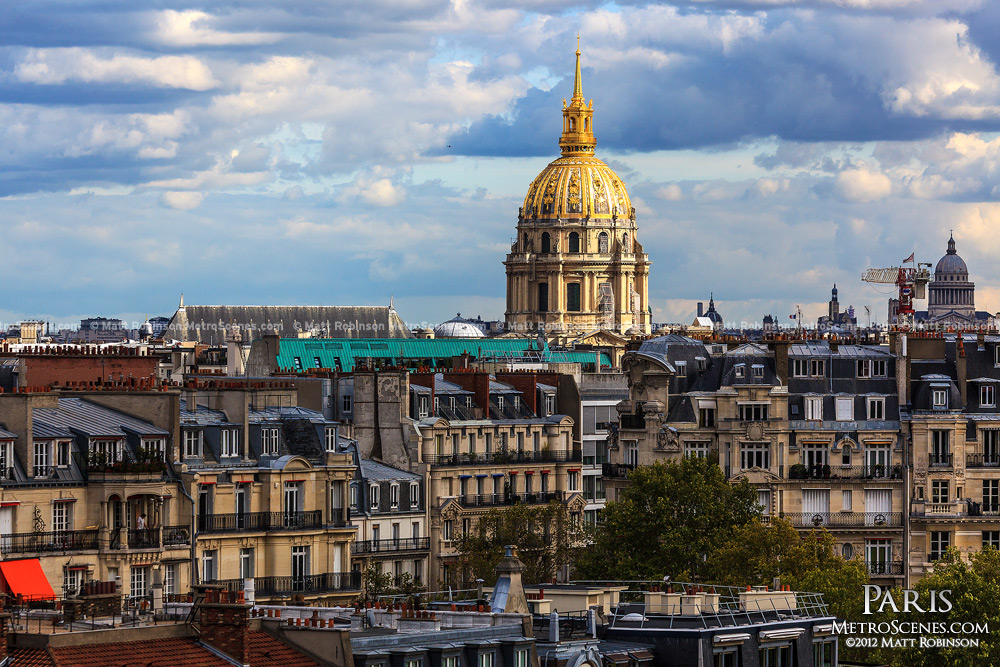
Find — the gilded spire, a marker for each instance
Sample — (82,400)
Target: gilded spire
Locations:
(578,129)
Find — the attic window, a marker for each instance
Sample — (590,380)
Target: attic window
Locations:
(940,398)
(740,370)
(298,363)
(702,363)
(758,371)
(317,362)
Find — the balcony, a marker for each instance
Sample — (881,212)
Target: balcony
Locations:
(884,568)
(936,460)
(391,546)
(846,472)
(310,584)
(143,538)
(632,422)
(260,522)
(174,536)
(845,519)
(617,470)
(60,540)
(982,460)
(503,457)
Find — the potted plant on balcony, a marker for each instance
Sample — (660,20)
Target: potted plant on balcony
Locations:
(797,471)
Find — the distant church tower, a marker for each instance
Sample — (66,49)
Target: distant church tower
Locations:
(577,265)
(951,297)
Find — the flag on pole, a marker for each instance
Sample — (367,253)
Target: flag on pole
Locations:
(791,317)
(908,259)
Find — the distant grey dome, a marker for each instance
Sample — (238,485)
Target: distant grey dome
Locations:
(951,263)
(458,328)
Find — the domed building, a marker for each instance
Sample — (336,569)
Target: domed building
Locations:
(577,265)
(951,298)
(458,327)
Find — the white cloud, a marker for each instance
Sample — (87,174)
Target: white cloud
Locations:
(192,28)
(57,66)
(863,185)
(184,201)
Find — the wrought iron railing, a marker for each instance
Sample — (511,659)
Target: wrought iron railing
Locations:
(390,545)
(617,470)
(176,535)
(260,521)
(885,568)
(311,584)
(982,460)
(940,460)
(845,519)
(504,456)
(879,471)
(143,538)
(59,540)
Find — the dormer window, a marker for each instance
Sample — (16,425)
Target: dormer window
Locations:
(758,370)
(500,402)
(740,370)
(939,398)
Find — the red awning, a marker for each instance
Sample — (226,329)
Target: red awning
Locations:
(25,578)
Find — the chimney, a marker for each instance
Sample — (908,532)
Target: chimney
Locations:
(4,629)
(225,624)
(781,360)
(960,368)
(509,581)
(701,309)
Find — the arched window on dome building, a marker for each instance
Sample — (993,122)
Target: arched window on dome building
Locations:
(543,297)
(602,242)
(546,243)
(573,297)
(524,247)
(574,242)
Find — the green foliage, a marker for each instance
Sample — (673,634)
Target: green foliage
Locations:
(542,534)
(146,460)
(375,582)
(670,518)
(757,554)
(975,596)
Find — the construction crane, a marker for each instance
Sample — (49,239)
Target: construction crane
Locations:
(912,284)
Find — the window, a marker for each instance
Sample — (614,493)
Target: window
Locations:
(991,538)
(726,657)
(698,450)
(208,570)
(706,417)
(814,408)
(42,460)
(876,408)
(764,501)
(573,297)
(804,368)
(193,444)
(62,453)
(872,368)
(331,439)
(543,296)
(776,656)
(572,479)
(62,517)
(991,495)
(940,541)
(269,442)
(758,370)
(413,663)
(755,455)
(170,578)
(823,652)
(466,527)
(631,452)
(845,408)
(449,661)
(298,363)
(574,242)
(522,658)
(422,407)
(6,459)
(987,396)
(346,403)
(486,659)
(940,454)
(546,242)
(300,568)
(939,491)
(447,527)
(847,501)
(602,246)
(817,368)
(354,496)
(550,404)
(740,370)
(414,495)
(753,412)
(373,496)
(230,442)
(991,447)
(246,563)
(140,576)
(940,399)
(815,455)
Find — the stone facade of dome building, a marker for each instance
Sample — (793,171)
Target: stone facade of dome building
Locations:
(576,265)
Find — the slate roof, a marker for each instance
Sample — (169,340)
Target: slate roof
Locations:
(93,420)
(375,471)
(207,324)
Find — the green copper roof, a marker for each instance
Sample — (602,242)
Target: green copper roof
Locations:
(412,352)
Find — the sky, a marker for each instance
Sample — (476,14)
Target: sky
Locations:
(342,153)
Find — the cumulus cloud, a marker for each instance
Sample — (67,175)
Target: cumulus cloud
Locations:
(56,66)
(863,185)
(194,28)
(184,201)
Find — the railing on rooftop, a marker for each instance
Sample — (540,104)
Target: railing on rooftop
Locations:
(59,540)
(391,545)
(504,456)
(260,521)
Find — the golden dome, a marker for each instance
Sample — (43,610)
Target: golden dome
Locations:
(577,185)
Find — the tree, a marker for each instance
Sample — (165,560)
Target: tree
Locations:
(757,554)
(670,517)
(542,534)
